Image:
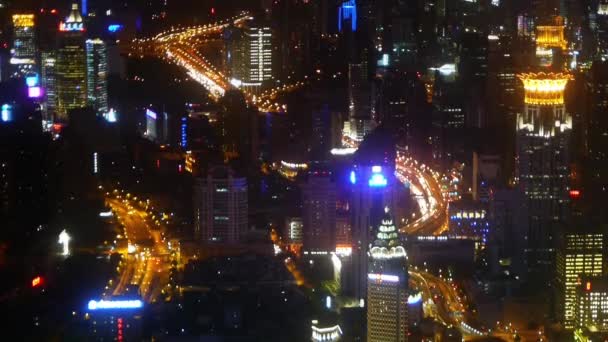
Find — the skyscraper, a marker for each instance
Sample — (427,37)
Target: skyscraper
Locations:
(71,65)
(387,285)
(360,115)
(543,134)
(580,252)
(97,75)
(49,84)
(597,128)
(220,206)
(319,212)
(23,52)
(374,188)
(258,47)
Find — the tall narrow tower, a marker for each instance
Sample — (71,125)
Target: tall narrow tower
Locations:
(97,75)
(543,135)
(387,285)
(71,69)
(23,52)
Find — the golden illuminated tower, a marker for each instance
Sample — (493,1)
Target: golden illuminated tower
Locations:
(543,134)
(23,52)
(550,38)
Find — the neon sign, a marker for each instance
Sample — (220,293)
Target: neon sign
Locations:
(71,27)
(34,92)
(31,81)
(383,277)
(113,28)
(115,304)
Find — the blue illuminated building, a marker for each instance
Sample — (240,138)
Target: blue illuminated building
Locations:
(348,11)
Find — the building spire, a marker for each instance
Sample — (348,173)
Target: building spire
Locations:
(387,244)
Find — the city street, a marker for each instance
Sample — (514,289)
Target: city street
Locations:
(146,261)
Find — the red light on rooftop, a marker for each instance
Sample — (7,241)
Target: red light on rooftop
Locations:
(574,194)
(54,11)
(37,281)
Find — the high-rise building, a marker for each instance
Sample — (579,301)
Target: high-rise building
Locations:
(580,252)
(591,307)
(251,56)
(374,187)
(360,114)
(48,72)
(23,52)
(448,119)
(220,207)
(597,129)
(97,75)
(71,65)
(542,139)
(387,285)
(319,212)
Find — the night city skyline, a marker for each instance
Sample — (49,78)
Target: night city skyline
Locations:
(304,170)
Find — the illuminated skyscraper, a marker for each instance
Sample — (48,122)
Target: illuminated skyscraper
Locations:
(49,84)
(387,285)
(550,40)
(23,52)
(258,46)
(220,207)
(97,75)
(579,253)
(542,139)
(71,65)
